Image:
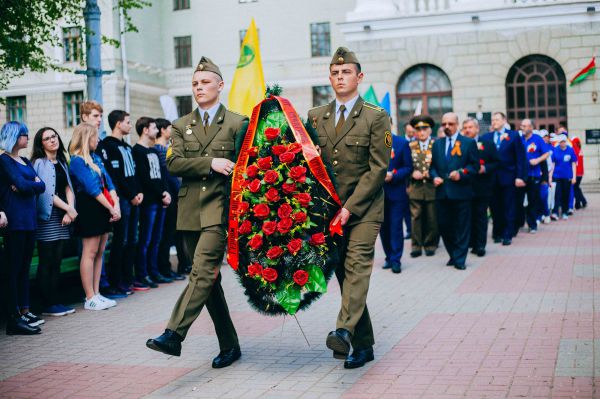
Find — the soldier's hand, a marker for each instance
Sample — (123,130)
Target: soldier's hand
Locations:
(454,175)
(388,177)
(437,181)
(417,175)
(318,149)
(342,217)
(222,165)
(519,183)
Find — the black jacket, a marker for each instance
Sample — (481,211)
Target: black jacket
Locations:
(465,160)
(118,160)
(490,159)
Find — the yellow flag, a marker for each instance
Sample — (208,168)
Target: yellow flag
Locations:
(248,86)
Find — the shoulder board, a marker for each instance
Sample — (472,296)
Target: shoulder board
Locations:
(318,108)
(413,145)
(373,107)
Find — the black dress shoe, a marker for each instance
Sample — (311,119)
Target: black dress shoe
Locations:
(450,262)
(226,358)
(160,279)
(396,267)
(149,282)
(460,267)
(429,252)
(358,358)
(169,343)
(339,341)
(415,254)
(387,265)
(506,241)
(497,240)
(16,325)
(480,252)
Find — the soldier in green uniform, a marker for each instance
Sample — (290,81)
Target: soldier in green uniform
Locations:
(203,154)
(355,138)
(421,191)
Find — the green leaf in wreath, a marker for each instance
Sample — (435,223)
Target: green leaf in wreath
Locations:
(316,280)
(289,298)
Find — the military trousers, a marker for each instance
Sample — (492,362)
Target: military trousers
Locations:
(359,253)
(204,287)
(424,233)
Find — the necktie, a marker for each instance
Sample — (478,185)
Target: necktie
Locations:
(449,150)
(497,139)
(205,124)
(340,124)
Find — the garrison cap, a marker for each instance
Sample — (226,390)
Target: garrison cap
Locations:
(422,120)
(344,56)
(206,64)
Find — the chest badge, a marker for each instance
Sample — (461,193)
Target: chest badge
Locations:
(188,129)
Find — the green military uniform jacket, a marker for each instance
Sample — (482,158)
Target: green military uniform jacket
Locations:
(359,156)
(423,190)
(203,196)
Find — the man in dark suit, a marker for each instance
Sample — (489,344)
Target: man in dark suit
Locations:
(455,162)
(482,185)
(396,203)
(510,175)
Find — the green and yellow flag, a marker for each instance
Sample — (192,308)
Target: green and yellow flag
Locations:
(248,86)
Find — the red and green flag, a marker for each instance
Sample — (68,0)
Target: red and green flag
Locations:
(586,72)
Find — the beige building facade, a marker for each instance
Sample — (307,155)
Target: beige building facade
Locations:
(434,55)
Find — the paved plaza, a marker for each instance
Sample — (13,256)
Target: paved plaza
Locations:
(520,323)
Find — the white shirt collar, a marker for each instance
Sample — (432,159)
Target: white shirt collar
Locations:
(424,144)
(453,137)
(212,111)
(349,105)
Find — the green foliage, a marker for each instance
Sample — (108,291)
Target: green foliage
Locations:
(289,298)
(28,27)
(273,90)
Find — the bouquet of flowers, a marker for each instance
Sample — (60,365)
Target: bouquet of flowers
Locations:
(281,242)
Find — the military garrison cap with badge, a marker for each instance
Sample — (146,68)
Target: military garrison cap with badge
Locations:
(206,64)
(344,56)
(422,120)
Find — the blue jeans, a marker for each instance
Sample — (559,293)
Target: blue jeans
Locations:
(124,241)
(152,218)
(544,191)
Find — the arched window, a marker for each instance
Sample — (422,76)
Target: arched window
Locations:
(426,87)
(536,89)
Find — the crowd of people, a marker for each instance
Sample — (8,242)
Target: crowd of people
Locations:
(85,192)
(526,177)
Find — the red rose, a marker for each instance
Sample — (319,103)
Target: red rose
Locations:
(287,157)
(254,186)
(271,176)
(304,199)
(295,148)
(245,227)
(465,171)
(317,239)
(253,151)
(265,163)
(278,149)
(252,171)
(481,162)
(271,133)
(269,227)
(255,269)
(274,253)
(261,211)
(269,274)
(298,173)
(300,277)
(245,183)
(284,226)
(255,242)
(243,207)
(294,246)
(284,211)
(288,188)
(272,195)
(299,217)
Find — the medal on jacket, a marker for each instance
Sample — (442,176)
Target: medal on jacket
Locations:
(188,129)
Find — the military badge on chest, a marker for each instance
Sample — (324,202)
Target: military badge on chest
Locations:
(188,129)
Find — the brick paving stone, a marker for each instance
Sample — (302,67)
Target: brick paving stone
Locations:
(522,322)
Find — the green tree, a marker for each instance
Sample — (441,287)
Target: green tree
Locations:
(28,26)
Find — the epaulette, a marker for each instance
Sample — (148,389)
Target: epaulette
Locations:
(320,106)
(413,145)
(373,107)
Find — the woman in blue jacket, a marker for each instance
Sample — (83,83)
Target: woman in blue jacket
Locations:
(97,207)
(19,186)
(55,211)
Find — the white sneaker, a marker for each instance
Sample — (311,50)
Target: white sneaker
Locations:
(94,304)
(565,217)
(109,302)
(547,220)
